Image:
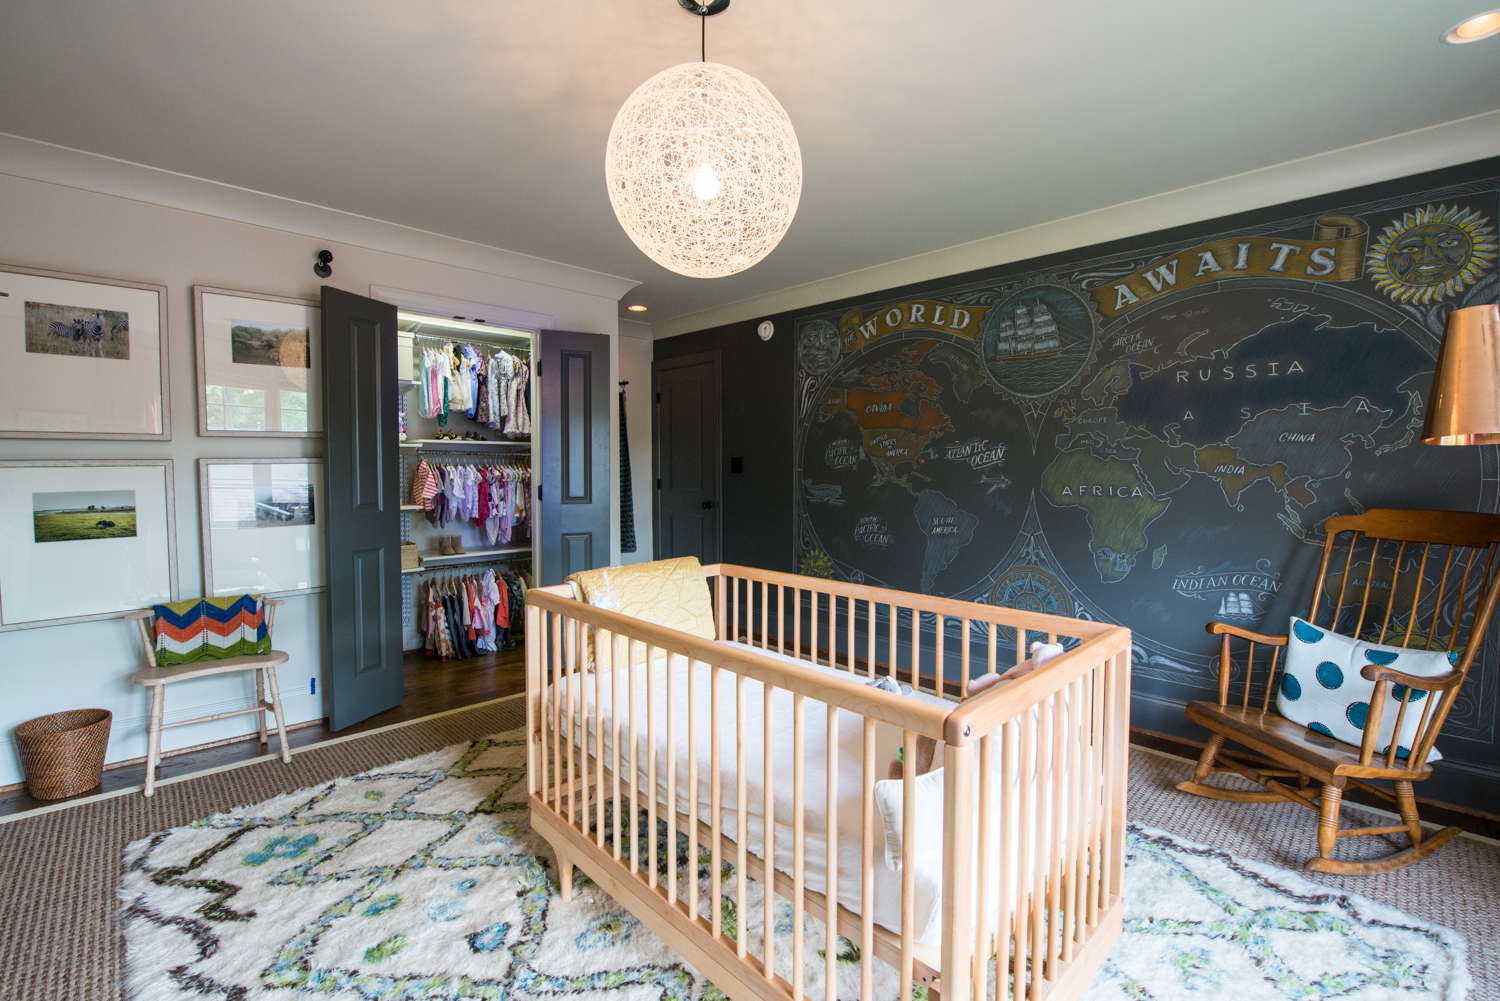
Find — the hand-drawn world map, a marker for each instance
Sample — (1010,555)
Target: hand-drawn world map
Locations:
(1153,437)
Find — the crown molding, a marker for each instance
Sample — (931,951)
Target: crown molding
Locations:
(1430,148)
(74,168)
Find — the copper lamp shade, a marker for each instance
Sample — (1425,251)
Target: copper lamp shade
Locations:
(1464,405)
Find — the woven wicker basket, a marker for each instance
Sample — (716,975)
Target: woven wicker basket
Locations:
(409,558)
(63,753)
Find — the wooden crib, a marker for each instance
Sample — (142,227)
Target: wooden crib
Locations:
(1032,790)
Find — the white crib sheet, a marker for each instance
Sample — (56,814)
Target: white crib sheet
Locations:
(927,873)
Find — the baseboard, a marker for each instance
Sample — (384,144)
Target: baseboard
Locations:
(1486,825)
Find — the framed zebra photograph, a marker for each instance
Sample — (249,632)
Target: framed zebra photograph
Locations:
(82,357)
(260,364)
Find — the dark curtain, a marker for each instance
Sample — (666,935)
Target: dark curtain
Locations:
(627,499)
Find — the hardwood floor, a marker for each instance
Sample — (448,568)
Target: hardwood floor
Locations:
(430,687)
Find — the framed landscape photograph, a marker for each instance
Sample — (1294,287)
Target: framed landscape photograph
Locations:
(262,531)
(86,539)
(82,357)
(259,364)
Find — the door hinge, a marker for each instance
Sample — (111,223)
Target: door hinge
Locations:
(538,491)
(658,483)
(658,397)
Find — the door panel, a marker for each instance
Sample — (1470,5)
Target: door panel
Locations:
(687,456)
(573,416)
(361,511)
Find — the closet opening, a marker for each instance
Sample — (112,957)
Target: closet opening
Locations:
(468,506)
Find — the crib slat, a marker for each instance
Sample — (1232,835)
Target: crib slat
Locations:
(796,650)
(692,852)
(1041,847)
(958,872)
(1097,899)
(831,854)
(671,781)
(1009,781)
(763,639)
(635,764)
(867,856)
(768,834)
(651,732)
(870,637)
(734,610)
(716,801)
(982,946)
(601,639)
(891,654)
(557,761)
(990,664)
(963,661)
(614,714)
(849,603)
(1025,852)
(1071,890)
(570,667)
(799,843)
(937,664)
(1056,844)
(741,820)
(908,854)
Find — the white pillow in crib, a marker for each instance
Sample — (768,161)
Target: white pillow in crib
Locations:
(1322,688)
(929,820)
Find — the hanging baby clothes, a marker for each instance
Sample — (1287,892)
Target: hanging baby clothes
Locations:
(518,422)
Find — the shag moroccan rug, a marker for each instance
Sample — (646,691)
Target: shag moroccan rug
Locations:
(423,880)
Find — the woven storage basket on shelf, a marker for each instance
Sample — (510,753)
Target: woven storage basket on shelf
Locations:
(409,558)
(63,753)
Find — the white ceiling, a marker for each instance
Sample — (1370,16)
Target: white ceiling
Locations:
(923,124)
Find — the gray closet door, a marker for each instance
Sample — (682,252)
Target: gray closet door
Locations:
(573,415)
(361,514)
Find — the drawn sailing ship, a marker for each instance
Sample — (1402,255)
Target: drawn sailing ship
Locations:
(1237,605)
(1027,334)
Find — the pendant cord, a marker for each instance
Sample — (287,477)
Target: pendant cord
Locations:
(703,37)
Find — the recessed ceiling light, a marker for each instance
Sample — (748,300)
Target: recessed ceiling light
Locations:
(637,308)
(1474,28)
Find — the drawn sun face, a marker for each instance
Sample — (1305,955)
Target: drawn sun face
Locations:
(1432,253)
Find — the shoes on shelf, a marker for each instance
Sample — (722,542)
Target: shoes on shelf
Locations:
(456,544)
(445,548)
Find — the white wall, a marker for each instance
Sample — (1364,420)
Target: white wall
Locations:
(65,227)
(635,365)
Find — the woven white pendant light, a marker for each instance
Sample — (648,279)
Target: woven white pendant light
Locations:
(703,169)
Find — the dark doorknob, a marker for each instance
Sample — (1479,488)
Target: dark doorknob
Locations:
(708,505)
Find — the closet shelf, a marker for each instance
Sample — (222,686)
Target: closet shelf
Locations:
(412,507)
(472,556)
(462,444)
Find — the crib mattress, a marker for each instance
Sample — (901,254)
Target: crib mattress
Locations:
(927,872)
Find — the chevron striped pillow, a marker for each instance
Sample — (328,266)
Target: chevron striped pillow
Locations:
(210,629)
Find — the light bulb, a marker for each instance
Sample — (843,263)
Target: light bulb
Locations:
(706,183)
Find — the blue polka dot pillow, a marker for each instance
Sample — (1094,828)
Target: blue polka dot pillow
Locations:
(1322,688)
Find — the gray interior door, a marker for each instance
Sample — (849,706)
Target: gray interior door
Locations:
(573,414)
(687,456)
(361,514)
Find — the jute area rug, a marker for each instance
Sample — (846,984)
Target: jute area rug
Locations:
(422,879)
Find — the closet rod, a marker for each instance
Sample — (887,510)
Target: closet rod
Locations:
(483,457)
(513,349)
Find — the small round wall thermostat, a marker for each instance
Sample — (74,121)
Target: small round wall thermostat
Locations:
(766,329)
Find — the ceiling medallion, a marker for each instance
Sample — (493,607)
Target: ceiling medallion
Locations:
(703,167)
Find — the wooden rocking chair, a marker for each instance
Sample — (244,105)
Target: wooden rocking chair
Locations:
(1464,545)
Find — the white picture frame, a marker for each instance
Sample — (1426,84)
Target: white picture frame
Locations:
(68,553)
(82,357)
(262,527)
(260,364)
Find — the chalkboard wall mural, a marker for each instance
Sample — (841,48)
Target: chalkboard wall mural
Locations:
(1152,433)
